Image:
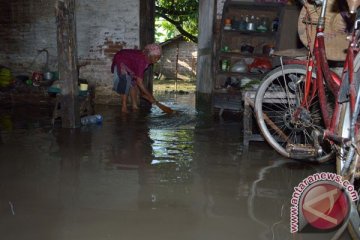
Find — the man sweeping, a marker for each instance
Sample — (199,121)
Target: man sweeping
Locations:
(128,67)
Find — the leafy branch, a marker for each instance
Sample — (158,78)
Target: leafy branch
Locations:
(181,14)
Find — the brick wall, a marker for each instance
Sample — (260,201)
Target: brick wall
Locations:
(186,63)
(103,27)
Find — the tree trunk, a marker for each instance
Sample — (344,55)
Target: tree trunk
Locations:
(67,62)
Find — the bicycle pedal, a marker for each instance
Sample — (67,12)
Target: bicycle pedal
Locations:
(302,151)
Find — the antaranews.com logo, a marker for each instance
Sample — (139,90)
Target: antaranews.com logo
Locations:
(321,202)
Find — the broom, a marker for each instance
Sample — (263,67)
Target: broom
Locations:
(164,108)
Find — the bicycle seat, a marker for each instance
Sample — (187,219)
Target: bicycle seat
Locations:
(292,53)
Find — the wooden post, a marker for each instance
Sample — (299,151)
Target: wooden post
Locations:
(67,62)
(176,65)
(207,16)
(204,71)
(147,35)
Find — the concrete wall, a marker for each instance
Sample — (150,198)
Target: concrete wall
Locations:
(103,27)
(186,63)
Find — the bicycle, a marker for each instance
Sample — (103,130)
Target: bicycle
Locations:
(305,111)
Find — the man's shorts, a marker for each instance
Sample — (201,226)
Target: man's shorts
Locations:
(122,83)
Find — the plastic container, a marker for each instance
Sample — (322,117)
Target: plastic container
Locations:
(83,87)
(93,119)
(225,65)
(275,24)
(5,77)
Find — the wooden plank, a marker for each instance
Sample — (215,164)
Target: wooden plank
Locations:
(67,62)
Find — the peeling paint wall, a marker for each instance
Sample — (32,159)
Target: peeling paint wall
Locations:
(103,27)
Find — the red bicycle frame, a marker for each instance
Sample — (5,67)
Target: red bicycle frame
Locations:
(330,78)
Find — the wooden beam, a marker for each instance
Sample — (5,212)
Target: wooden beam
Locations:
(67,62)
(147,22)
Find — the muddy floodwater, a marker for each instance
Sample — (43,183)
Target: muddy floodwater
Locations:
(143,176)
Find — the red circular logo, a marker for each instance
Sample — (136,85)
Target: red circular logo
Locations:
(325,206)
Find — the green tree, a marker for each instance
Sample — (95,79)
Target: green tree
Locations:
(174,17)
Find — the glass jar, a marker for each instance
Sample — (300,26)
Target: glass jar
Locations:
(225,65)
(251,25)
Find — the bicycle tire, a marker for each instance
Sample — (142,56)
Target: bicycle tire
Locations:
(343,130)
(279,130)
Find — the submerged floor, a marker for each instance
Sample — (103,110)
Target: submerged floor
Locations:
(142,176)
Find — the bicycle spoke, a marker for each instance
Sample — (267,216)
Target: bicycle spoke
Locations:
(271,107)
(281,115)
(308,136)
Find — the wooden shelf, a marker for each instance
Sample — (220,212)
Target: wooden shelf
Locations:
(245,74)
(239,54)
(253,33)
(234,39)
(226,91)
(253,5)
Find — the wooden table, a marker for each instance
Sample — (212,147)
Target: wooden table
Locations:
(249,104)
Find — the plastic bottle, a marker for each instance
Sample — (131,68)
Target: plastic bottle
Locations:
(92,119)
(275,24)
(225,65)
(251,25)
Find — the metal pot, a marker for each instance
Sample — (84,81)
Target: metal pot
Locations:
(239,67)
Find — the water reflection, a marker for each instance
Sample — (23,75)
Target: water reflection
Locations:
(269,198)
(182,174)
(168,177)
(24,117)
(270,194)
(155,156)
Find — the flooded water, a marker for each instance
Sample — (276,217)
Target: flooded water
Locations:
(144,175)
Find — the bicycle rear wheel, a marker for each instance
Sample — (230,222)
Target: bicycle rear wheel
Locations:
(277,101)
